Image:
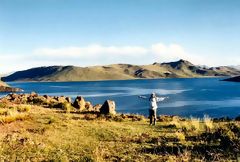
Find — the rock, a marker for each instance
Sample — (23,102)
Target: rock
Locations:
(108,107)
(61,99)
(39,100)
(60,102)
(79,103)
(68,99)
(89,106)
(48,98)
(34,94)
(97,107)
(14,98)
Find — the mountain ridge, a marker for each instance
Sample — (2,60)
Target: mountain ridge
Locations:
(177,69)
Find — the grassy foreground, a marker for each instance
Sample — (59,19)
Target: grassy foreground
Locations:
(32,133)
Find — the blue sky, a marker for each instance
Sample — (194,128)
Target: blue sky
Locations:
(95,32)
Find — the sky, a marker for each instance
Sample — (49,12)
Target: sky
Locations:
(98,32)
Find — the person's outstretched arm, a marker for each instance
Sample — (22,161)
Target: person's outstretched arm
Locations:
(159,99)
(143,97)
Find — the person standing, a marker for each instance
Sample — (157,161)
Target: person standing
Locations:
(153,100)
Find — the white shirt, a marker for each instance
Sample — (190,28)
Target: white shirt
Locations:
(154,100)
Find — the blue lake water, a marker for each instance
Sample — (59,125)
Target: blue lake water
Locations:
(187,97)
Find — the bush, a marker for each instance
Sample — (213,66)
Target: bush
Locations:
(87,158)
(23,108)
(51,120)
(208,122)
(2,105)
(118,118)
(3,111)
(64,106)
(67,107)
(38,101)
(195,123)
(12,118)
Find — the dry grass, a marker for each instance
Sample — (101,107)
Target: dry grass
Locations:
(13,113)
(208,122)
(51,135)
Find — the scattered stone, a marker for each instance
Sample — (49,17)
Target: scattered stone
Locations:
(108,107)
(68,99)
(97,107)
(79,103)
(60,102)
(34,94)
(61,99)
(48,99)
(89,106)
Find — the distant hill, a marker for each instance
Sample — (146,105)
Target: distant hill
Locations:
(236,67)
(233,79)
(178,69)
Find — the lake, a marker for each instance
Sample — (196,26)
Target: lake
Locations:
(187,97)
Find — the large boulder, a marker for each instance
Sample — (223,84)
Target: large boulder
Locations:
(108,107)
(89,106)
(48,98)
(68,99)
(97,107)
(79,103)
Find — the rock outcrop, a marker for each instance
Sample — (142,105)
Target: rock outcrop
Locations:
(97,107)
(108,107)
(61,102)
(79,103)
(35,99)
(89,106)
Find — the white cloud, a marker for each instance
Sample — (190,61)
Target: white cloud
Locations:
(115,54)
(169,52)
(91,50)
(97,54)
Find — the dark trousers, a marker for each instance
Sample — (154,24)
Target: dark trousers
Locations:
(152,116)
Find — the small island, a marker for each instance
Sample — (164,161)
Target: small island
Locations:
(233,79)
(6,88)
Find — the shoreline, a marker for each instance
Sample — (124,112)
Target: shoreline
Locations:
(202,77)
(65,102)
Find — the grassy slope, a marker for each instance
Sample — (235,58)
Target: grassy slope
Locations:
(84,74)
(46,134)
(179,69)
